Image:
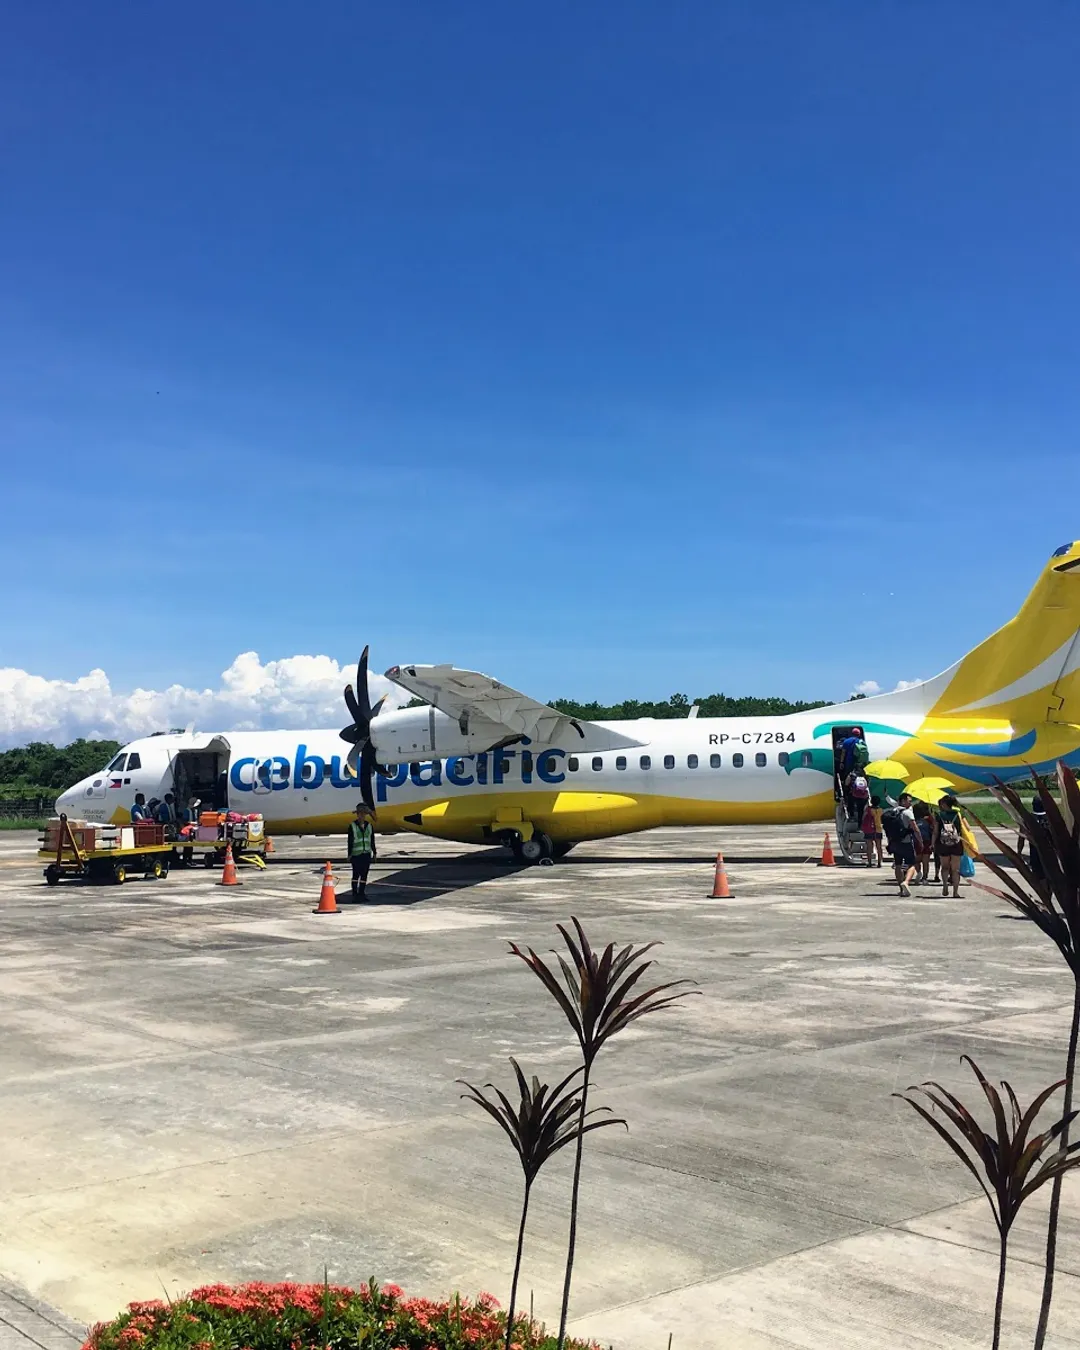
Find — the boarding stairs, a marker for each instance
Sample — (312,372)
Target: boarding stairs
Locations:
(849,836)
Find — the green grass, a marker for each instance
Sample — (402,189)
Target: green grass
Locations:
(990,812)
(21,823)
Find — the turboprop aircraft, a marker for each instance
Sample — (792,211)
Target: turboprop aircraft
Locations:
(482,763)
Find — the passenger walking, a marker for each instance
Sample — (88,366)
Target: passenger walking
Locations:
(848,747)
(876,813)
(900,830)
(1039,835)
(949,841)
(870,832)
(924,822)
(361,849)
(857,791)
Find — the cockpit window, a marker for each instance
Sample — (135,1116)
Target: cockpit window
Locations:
(117,765)
(134,762)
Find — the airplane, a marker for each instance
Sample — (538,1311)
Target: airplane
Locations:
(481,763)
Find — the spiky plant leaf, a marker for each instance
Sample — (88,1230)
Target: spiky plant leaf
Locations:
(545,1119)
(1004,1155)
(595,999)
(1049,897)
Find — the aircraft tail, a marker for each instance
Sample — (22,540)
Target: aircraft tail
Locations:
(1026,673)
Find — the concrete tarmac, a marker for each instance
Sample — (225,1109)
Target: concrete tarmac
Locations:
(204,1083)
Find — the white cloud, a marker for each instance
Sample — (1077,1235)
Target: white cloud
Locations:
(871,687)
(298,691)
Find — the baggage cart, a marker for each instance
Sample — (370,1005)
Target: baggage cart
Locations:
(104,853)
(247,837)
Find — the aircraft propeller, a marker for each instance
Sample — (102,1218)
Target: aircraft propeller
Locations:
(361,757)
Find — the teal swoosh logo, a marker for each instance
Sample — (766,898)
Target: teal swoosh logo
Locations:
(880,727)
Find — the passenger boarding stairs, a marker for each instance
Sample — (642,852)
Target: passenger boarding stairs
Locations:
(849,837)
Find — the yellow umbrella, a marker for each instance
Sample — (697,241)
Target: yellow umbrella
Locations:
(886,768)
(929,790)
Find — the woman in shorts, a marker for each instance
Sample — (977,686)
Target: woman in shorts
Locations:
(871,829)
(949,843)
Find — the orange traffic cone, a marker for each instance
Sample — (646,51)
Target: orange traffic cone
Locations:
(269,845)
(228,872)
(328,895)
(827,859)
(720,890)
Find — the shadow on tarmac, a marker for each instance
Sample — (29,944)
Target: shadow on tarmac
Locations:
(411,883)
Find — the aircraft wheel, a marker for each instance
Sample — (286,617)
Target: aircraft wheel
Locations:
(547,848)
(530,850)
(52,874)
(560,849)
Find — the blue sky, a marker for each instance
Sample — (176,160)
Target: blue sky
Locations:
(612,350)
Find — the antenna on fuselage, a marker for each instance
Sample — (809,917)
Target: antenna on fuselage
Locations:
(694,710)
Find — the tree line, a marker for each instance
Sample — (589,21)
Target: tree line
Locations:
(42,770)
(678,705)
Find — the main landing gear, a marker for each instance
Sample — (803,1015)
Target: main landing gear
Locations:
(539,849)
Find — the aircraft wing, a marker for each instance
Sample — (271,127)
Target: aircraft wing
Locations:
(477,701)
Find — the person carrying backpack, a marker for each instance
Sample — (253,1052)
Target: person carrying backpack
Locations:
(361,849)
(949,843)
(899,826)
(857,790)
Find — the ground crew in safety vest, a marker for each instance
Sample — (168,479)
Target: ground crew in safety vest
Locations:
(361,848)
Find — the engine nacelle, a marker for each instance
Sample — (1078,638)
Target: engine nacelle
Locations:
(409,734)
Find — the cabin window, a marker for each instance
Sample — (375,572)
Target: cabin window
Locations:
(645,761)
(504,766)
(547,763)
(620,761)
(714,761)
(572,764)
(807,758)
(782,759)
(526,762)
(761,759)
(737,761)
(669,761)
(597,763)
(117,765)
(134,762)
(691,761)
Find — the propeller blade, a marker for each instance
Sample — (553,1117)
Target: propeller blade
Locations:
(353,756)
(363,696)
(351,703)
(367,770)
(351,733)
